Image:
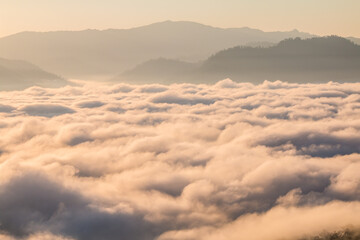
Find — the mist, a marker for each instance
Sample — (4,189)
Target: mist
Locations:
(228,160)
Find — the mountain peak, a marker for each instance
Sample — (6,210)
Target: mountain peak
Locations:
(171,23)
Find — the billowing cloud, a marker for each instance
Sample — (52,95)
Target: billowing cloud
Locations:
(32,202)
(184,161)
(6,108)
(90,104)
(46,110)
(153,89)
(173,98)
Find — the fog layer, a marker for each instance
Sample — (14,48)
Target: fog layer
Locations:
(184,161)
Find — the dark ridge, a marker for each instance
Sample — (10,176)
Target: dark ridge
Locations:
(294,60)
(313,60)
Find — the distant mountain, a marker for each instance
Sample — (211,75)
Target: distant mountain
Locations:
(109,52)
(160,71)
(293,60)
(17,75)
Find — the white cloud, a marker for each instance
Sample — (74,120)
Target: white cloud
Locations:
(224,161)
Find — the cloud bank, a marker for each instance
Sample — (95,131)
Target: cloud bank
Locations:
(185,161)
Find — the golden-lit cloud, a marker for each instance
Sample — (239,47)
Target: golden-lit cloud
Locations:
(183,161)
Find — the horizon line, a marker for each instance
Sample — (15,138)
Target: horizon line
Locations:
(170,21)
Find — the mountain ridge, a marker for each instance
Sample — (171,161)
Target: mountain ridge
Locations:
(158,24)
(108,52)
(319,59)
(19,74)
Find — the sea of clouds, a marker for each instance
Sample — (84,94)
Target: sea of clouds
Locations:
(185,161)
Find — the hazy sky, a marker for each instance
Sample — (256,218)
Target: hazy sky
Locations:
(321,17)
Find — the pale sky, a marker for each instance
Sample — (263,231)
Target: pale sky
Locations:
(322,17)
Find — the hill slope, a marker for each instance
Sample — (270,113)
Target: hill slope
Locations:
(17,75)
(109,52)
(293,60)
(160,70)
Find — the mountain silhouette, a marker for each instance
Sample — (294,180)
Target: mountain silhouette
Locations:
(77,54)
(160,70)
(294,60)
(17,75)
